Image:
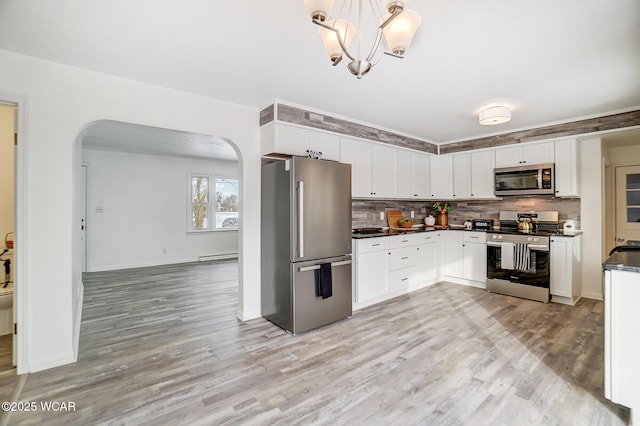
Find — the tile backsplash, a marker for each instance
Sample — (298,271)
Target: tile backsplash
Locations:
(367,212)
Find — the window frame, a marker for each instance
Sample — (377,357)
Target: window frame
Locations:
(211,204)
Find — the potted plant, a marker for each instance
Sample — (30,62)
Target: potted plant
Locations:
(442,213)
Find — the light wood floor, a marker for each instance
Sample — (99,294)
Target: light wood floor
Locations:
(162,346)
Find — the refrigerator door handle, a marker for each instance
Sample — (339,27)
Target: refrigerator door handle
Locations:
(314,267)
(301,219)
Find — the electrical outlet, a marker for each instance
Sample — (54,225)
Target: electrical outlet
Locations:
(381,215)
(413,214)
(99,209)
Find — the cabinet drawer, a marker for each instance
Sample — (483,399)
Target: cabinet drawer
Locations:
(371,244)
(400,279)
(402,258)
(398,241)
(474,237)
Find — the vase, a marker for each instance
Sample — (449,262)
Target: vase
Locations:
(442,219)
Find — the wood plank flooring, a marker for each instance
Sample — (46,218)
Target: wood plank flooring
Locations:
(162,345)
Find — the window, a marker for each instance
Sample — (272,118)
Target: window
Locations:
(226,203)
(204,214)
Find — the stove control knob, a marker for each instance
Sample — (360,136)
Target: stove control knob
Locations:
(499,237)
(529,239)
(536,239)
(495,237)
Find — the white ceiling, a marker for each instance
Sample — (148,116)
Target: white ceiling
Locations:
(550,60)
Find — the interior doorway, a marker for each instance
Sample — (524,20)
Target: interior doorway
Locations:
(8,305)
(627,184)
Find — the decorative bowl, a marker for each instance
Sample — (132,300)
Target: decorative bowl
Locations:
(407,224)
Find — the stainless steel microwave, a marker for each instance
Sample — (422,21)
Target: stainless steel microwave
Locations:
(533,179)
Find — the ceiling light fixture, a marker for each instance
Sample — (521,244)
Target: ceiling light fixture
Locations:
(494,115)
(395,28)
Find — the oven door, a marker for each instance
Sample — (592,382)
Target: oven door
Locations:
(537,275)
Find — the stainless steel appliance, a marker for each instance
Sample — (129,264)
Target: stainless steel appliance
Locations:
(518,262)
(483,224)
(534,179)
(306,243)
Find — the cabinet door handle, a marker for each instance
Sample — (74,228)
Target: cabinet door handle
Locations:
(375,245)
(405,241)
(404,258)
(404,279)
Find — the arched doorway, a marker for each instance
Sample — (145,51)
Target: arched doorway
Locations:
(133,206)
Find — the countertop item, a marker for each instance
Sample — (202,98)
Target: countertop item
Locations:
(393,216)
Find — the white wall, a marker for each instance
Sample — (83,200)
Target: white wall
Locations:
(592,214)
(58,102)
(6,172)
(144,210)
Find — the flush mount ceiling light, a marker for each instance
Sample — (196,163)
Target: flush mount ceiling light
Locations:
(494,115)
(395,28)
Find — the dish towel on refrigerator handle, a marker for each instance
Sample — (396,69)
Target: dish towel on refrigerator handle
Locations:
(324,281)
(507,255)
(522,257)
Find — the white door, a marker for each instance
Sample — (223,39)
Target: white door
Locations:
(482,165)
(461,176)
(627,204)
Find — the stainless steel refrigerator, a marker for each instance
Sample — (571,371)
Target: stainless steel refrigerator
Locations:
(306,243)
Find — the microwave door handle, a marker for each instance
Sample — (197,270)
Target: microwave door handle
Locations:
(540,178)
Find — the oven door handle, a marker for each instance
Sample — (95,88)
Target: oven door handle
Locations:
(538,247)
(492,244)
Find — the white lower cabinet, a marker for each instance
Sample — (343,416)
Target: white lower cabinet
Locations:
(466,257)
(621,343)
(371,274)
(564,266)
(453,254)
(386,267)
(474,257)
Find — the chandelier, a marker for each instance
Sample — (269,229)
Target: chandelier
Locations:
(396,26)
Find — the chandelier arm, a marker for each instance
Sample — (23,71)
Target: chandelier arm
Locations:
(330,28)
(376,44)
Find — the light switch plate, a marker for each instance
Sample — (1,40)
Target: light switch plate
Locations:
(381,215)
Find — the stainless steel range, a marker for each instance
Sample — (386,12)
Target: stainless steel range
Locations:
(518,254)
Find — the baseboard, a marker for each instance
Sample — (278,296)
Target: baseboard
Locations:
(76,332)
(142,264)
(590,295)
(209,257)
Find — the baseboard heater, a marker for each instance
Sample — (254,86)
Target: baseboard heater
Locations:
(208,257)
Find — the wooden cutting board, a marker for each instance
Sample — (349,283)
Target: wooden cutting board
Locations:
(393,216)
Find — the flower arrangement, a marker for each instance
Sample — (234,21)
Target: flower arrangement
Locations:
(440,208)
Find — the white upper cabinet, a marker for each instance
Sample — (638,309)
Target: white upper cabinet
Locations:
(473,175)
(527,154)
(384,181)
(413,175)
(441,177)
(482,180)
(374,168)
(283,139)
(567,174)
(461,176)
(358,154)
(327,144)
